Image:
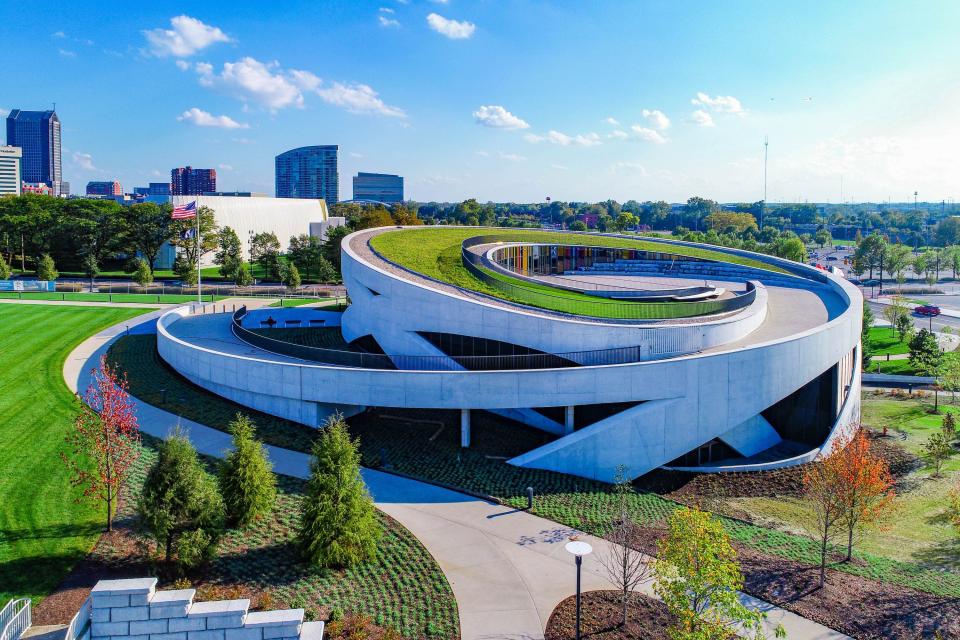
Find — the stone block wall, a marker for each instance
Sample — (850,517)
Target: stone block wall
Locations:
(134,610)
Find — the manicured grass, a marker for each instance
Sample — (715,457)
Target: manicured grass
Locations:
(403,442)
(892,367)
(436,253)
(43,532)
(299,302)
(884,340)
(919,531)
(144,298)
(402,588)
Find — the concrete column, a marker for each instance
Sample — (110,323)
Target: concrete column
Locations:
(464,428)
(568,420)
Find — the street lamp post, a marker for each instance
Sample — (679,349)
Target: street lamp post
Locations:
(578,549)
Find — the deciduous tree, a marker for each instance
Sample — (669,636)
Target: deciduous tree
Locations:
(229,253)
(822,485)
(936,450)
(866,494)
(697,575)
(46,269)
(142,274)
(105,440)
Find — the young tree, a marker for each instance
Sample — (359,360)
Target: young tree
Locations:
(230,252)
(142,274)
(904,326)
(90,268)
(5,269)
(180,506)
(105,440)
(823,237)
(46,269)
(926,357)
(338,525)
(247,483)
(866,494)
(265,250)
(822,486)
(625,566)
(243,277)
(292,277)
(697,576)
(936,450)
(949,426)
(325,271)
(894,311)
(331,248)
(950,377)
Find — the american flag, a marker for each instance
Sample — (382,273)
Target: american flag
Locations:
(185,211)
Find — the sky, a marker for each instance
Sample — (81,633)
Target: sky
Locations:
(505,100)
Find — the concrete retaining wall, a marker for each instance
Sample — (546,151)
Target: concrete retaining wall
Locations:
(134,610)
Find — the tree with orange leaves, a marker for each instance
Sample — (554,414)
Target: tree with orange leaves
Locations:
(866,487)
(105,441)
(821,487)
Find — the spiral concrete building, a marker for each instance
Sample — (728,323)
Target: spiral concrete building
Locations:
(633,353)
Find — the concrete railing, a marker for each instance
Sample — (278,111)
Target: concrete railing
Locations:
(133,609)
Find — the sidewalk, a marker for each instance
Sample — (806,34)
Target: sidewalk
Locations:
(507,568)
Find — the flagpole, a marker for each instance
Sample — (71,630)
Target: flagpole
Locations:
(196,215)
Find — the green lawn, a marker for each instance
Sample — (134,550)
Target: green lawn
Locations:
(43,532)
(919,531)
(884,340)
(436,253)
(145,298)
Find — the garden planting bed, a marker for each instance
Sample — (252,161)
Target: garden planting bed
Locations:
(425,445)
(403,591)
(601,614)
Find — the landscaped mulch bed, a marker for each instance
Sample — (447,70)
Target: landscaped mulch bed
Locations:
(402,589)
(600,617)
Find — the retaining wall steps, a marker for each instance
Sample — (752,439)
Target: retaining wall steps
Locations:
(134,610)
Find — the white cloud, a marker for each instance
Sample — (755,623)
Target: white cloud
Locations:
(648,134)
(4,113)
(358,98)
(658,119)
(619,134)
(225,167)
(251,80)
(612,120)
(483,154)
(354,154)
(720,104)
(499,118)
(58,34)
(183,65)
(629,168)
(453,29)
(387,22)
(386,10)
(66,53)
(274,88)
(201,118)
(564,140)
(187,37)
(440,1)
(243,140)
(512,157)
(560,167)
(702,118)
(84,161)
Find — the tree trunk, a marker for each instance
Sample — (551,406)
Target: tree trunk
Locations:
(850,544)
(109,511)
(823,560)
(169,546)
(626,602)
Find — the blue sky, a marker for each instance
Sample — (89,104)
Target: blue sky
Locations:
(505,99)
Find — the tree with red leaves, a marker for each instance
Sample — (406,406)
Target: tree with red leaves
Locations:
(866,487)
(105,440)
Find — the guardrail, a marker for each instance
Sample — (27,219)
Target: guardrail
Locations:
(15,618)
(364,360)
(79,627)
(589,308)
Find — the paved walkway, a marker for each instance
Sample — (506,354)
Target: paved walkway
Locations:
(508,568)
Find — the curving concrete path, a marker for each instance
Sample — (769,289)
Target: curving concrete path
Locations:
(507,568)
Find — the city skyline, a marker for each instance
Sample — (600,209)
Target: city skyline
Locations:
(509,103)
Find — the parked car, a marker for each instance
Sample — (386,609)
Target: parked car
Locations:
(870,283)
(831,258)
(927,310)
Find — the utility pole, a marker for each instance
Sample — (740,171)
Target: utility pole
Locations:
(763,207)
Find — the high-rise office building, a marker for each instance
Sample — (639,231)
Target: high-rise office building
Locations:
(381,187)
(10,170)
(37,133)
(158,189)
(309,172)
(104,188)
(187,181)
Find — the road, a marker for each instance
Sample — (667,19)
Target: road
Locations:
(921,322)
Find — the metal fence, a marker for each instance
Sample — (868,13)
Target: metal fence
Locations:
(162,293)
(79,627)
(590,308)
(364,360)
(15,618)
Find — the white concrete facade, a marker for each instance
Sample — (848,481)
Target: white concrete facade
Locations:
(696,381)
(10,158)
(248,216)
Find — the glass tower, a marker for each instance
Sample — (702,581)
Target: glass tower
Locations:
(309,172)
(37,133)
